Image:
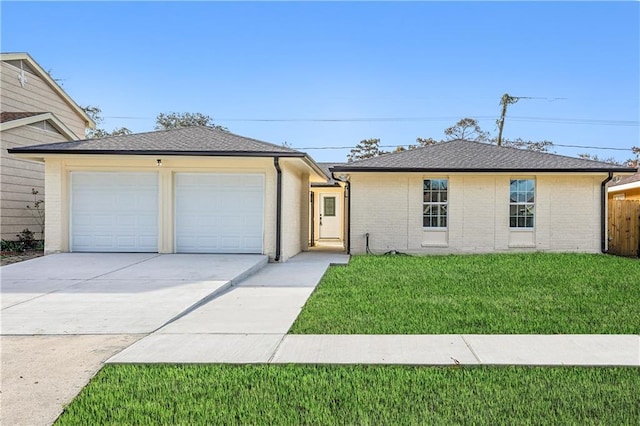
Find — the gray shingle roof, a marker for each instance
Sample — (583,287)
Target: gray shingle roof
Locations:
(625,180)
(461,155)
(182,141)
(326,169)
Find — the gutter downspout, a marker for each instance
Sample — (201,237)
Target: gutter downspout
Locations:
(603,213)
(348,236)
(312,241)
(276,164)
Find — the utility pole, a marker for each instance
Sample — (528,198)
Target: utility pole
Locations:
(505,101)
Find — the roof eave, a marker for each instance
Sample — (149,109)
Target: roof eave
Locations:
(479,170)
(47,116)
(43,152)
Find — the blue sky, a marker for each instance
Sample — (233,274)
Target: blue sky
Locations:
(424,65)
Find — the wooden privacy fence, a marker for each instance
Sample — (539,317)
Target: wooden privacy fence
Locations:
(624,228)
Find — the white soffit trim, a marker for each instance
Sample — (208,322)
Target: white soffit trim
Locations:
(66,132)
(624,187)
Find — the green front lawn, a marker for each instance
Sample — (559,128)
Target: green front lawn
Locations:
(535,293)
(375,395)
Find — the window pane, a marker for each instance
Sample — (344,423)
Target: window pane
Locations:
(512,222)
(330,206)
(531,196)
(434,200)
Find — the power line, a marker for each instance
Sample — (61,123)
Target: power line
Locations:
(404,145)
(589,121)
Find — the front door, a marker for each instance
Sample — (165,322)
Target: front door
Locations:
(329,216)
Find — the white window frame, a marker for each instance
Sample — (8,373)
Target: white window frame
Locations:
(522,202)
(438,203)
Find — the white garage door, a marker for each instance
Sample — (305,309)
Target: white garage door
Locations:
(219,213)
(114,212)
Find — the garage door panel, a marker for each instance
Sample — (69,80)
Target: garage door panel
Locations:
(219,213)
(114,212)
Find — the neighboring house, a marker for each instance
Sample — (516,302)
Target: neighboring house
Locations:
(625,188)
(188,190)
(328,212)
(469,197)
(33,110)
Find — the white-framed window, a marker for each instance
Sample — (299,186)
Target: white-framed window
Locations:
(435,203)
(522,198)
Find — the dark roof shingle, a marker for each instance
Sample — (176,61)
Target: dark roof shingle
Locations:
(326,168)
(11,116)
(461,155)
(626,180)
(183,141)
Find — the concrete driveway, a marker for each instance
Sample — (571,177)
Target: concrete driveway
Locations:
(64,315)
(90,293)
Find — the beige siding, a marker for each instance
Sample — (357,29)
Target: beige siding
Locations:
(18,177)
(293,224)
(294,184)
(36,96)
(389,208)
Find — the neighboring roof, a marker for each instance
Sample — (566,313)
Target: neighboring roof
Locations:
(11,120)
(622,183)
(40,72)
(468,156)
(326,169)
(10,116)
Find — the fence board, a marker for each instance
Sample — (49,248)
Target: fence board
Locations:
(624,227)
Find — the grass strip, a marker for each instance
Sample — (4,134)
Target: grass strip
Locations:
(533,293)
(363,395)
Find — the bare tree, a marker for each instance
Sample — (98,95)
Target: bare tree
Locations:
(467,129)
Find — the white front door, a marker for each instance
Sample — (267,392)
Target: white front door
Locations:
(219,212)
(330,216)
(114,212)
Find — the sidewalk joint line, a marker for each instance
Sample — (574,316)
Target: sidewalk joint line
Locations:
(475,355)
(273,355)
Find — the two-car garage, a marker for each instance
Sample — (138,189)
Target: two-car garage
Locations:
(213,212)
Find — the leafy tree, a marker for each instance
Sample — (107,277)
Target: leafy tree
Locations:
(367,148)
(96,115)
(467,129)
(610,160)
(422,142)
(540,146)
(175,120)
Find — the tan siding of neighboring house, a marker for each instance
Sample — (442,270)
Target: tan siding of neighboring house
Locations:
(632,194)
(18,177)
(389,206)
(36,96)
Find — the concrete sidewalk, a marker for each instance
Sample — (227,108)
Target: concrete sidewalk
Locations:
(249,322)
(586,350)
